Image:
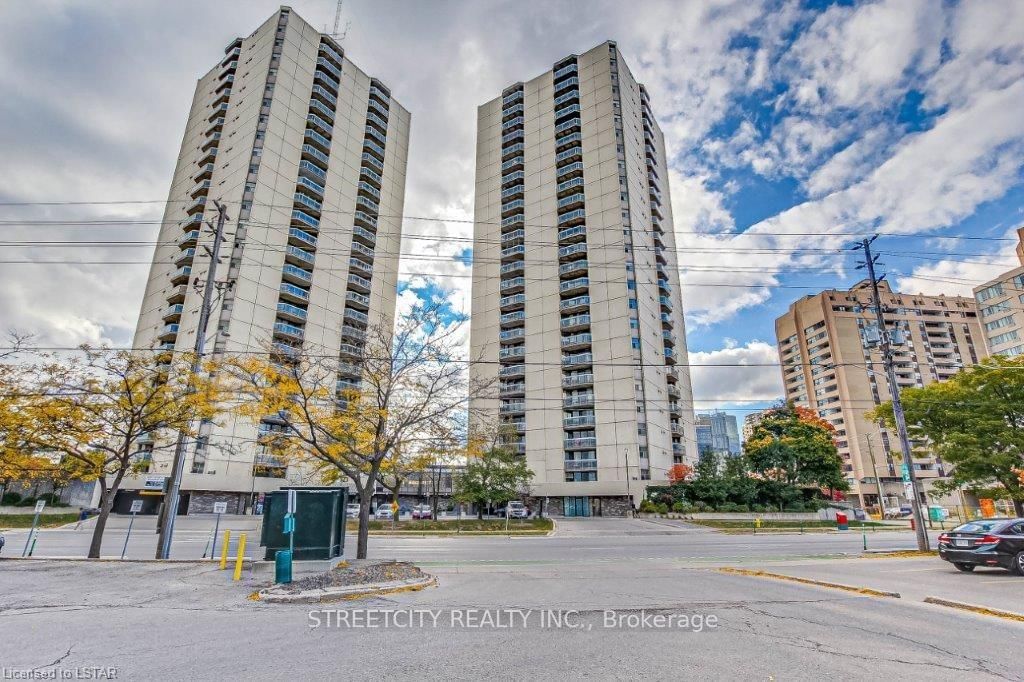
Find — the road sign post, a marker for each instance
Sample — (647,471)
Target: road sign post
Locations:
(40,506)
(136,508)
(218,509)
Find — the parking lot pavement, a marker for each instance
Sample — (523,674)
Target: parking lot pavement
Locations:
(606,526)
(915,579)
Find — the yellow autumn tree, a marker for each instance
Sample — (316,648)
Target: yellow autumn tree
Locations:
(91,412)
(363,411)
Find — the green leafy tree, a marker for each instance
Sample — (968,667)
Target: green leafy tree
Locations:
(975,422)
(795,448)
(495,476)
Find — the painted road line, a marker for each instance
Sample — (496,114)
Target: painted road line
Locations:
(868,591)
(974,608)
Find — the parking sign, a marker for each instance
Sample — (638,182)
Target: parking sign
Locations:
(136,506)
(40,505)
(220,507)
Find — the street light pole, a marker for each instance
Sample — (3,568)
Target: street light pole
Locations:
(894,392)
(874,471)
(163,550)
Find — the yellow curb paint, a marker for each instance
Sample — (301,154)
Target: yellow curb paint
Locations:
(868,591)
(972,608)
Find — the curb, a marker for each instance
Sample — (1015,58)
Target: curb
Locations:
(974,608)
(348,592)
(869,591)
(116,560)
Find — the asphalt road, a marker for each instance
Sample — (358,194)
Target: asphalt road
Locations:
(576,540)
(186,621)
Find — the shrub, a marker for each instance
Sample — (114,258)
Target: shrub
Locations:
(702,506)
(759,508)
(663,508)
(27,502)
(11,499)
(680,508)
(647,507)
(51,499)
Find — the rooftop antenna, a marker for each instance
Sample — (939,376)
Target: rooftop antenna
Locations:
(337,23)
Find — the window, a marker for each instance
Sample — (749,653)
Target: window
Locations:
(632,304)
(990,292)
(1000,323)
(993,309)
(1004,338)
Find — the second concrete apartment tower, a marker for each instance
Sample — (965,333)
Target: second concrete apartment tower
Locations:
(577,314)
(309,155)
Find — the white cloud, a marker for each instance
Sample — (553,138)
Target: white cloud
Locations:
(958,277)
(747,374)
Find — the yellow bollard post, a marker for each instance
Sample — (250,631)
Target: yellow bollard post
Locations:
(224,550)
(238,561)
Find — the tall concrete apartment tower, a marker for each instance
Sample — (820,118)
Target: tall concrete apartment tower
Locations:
(830,364)
(1000,304)
(576,304)
(309,154)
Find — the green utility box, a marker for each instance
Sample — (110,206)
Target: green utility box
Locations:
(319,523)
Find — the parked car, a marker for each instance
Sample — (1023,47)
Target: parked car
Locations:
(2,541)
(985,542)
(384,512)
(352,511)
(515,510)
(422,511)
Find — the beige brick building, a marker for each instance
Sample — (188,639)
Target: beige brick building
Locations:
(828,364)
(1001,306)
(309,154)
(576,303)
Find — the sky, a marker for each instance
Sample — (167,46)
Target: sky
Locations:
(792,129)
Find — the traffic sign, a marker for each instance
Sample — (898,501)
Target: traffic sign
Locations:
(136,506)
(220,507)
(291,501)
(40,505)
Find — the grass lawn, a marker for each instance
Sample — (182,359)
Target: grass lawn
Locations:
(467,525)
(45,520)
(770,524)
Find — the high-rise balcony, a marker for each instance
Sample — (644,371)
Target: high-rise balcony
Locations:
(569,170)
(581,421)
(364,236)
(572,154)
(515,177)
(218,112)
(578,303)
(204,172)
(317,140)
(308,203)
(361,265)
(184,256)
(512,407)
(577,380)
(676,428)
(368,203)
(169,331)
(513,302)
(299,237)
(311,153)
(513,389)
(359,283)
(566,126)
(568,69)
(567,83)
(512,150)
(348,385)
(569,184)
(380,94)
(290,292)
(581,464)
(215,125)
(371,160)
(292,313)
(352,333)
(365,219)
(567,96)
(512,371)
(512,206)
(297,256)
(196,219)
(312,171)
(324,78)
(514,266)
(569,139)
(178,294)
(673,391)
(509,124)
(364,251)
(574,322)
(576,341)
(303,219)
(200,189)
(513,285)
(289,331)
(328,66)
(513,237)
(357,300)
(369,190)
(356,316)
(511,352)
(513,220)
(514,96)
(666,303)
(374,148)
(181,275)
(188,239)
(663,285)
(669,338)
(577,360)
(325,128)
(575,217)
(571,235)
(512,334)
(583,443)
(513,136)
(515,163)
(572,267)
(211,141)
(324,95)
(330,53)
(381,109)
(371,176)
(514,317)
(173,312)
(322,110)
(670,356)
(512,192)
(350,350)
(293,273)
(377,135)
(672,376)
(513,252)
(572,251)
(574,285)
(513,111)
(578,400)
